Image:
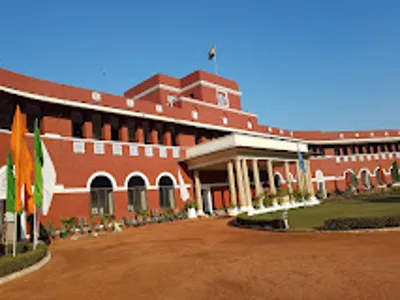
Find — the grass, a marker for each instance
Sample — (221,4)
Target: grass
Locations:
(10,264)
(311,217)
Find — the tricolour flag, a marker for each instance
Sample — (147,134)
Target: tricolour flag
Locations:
(301,161)
(211,53)
(10,200)
(23,164)
(37,145)
(183,190)
(49,180)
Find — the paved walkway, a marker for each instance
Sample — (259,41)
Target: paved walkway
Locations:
(205,259)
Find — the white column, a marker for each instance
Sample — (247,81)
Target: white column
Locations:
(247,184)
(271,180)
(239,179)
(199,200)
(258,189)
(232,186)
(300,178)
(310,186)
(288,179)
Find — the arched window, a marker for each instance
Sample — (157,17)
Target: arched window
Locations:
(365,179)
(351,179)
(395,177)
(101,196)
(166,191)
(277,181)
(378,175)
(137,195)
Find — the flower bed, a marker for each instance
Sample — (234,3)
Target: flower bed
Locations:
(244,220)
(24,259)
(361,223)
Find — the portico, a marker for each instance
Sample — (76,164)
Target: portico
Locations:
(245,159)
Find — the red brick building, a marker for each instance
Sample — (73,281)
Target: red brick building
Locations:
(121,154)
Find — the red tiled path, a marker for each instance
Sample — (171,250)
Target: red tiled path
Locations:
(205,259)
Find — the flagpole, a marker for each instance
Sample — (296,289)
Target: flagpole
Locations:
(6,232)
(34,227)
(15,234)
(215,61)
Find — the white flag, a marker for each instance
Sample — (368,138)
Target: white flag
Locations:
(182,187)
(49,180)
(3,183)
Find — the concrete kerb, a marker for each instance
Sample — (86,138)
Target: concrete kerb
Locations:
(26,271)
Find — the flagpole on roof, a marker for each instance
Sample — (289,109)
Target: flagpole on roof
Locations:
(215,61)
(212,55)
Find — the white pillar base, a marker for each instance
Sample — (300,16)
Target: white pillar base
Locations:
(233,211)
(243,209)
(192,213)
(200,213)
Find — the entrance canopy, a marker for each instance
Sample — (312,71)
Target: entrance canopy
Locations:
(214,154)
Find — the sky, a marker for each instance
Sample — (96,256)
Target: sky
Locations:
(301,65)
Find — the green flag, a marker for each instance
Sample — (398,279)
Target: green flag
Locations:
(395,171)
(10,201)
(37,145)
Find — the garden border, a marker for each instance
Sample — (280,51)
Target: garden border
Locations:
(233,223)
(26,271)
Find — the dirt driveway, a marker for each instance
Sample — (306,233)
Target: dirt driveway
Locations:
(206,259)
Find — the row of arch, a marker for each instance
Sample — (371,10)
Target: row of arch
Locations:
(131,175)
(102,186)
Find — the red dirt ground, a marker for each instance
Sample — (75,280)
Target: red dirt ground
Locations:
(206,259)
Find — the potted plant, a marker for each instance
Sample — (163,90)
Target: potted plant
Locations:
(232,210)
(65,228)
(191,209)
(104,221)
(125,222)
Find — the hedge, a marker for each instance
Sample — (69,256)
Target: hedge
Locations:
(22,247)
(360,223)
(245,221)
(10,264)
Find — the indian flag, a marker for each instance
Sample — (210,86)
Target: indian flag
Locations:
(211,53)
(45,174)
(37,145)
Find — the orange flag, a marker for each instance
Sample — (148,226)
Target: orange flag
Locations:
(23,164)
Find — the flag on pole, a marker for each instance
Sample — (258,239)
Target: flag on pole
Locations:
(23,164)
(49,182)
(301,160)
(10,200)
(211,53)
(37,145)
(182,187)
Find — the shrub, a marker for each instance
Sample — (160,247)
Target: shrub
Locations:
(360,223)
(320,194)
(244,220)
(10,264)
(191,204)
(22,247)
(298,195)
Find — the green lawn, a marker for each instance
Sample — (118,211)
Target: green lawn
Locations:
(310,217)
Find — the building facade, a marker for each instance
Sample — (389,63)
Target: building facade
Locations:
(119,155)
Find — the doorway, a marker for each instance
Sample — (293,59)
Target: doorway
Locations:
(207,200)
